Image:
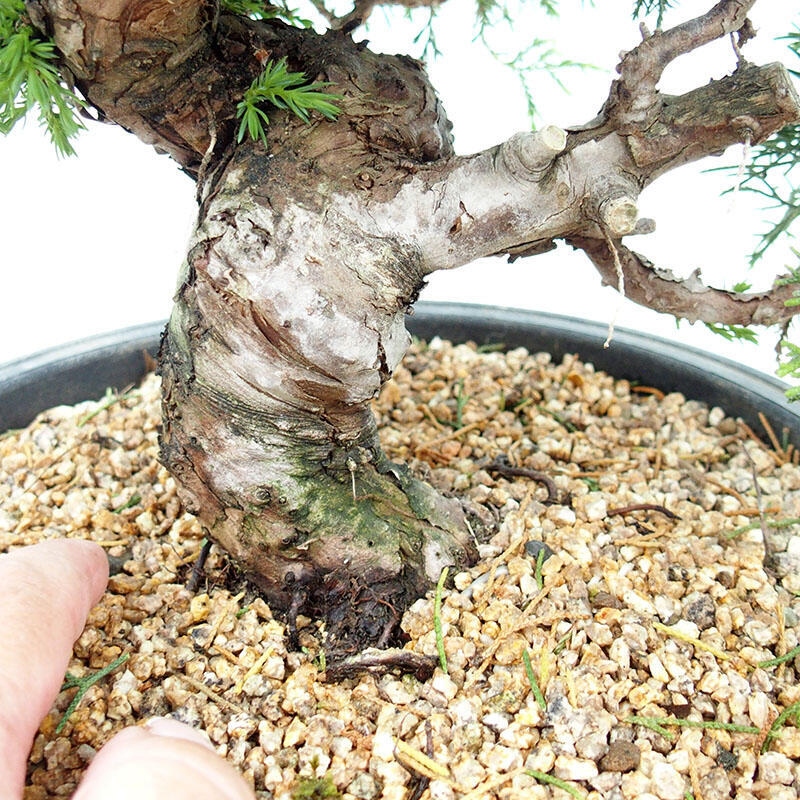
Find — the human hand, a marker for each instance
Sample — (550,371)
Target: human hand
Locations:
(46,592)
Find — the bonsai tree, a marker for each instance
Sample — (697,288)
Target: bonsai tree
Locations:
(328,189)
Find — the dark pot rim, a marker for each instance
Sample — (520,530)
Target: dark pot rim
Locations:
(84,369)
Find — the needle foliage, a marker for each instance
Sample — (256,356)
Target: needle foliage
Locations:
(282,89)
(257,9)
(30,80)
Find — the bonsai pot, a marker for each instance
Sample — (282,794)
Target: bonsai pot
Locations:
(616,555)
(84,369)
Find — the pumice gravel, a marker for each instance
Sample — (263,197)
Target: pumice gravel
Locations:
(634,635)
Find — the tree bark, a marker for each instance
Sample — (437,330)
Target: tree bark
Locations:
(309,252)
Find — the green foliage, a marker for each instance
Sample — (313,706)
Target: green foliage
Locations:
(437,619)
(642,8)
(83,685)
(790,367)
(773,171)
(320,660)
(285,90)
(793,278)
(658,724)
(537,572)
(733,332)
(29,79)
(485,11)
(789,713)
(538,57)
(497,28)
(316,789)
(535,688)
(790,655)
(257,9)
(132,501)
(544,777)
(427,34)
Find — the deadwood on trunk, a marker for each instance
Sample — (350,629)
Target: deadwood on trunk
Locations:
(309,251)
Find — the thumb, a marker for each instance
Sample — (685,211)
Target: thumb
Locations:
(161,760)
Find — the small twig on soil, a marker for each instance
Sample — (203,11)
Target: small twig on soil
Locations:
(501,466)
(111,542)
(389,628)
(752,512)
(657,393)
(426,447)
(211,694)
(776,445)
(751,435)
(482,790)
(497,562)
(659,457)
(417,761)
(426,412)
(49,465)
(522,621)
(727,490)
(423,780)
(254,670)
(762,517)
(198,568)
(642,507)
(701,645)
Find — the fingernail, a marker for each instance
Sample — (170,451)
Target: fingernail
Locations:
(172,729)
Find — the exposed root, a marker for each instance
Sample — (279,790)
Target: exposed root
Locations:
(382,661)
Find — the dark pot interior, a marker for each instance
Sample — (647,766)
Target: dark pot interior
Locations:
(83,370)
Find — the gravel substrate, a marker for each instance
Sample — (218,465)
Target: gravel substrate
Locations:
(654,598)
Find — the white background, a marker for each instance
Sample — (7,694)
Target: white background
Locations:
(94,243)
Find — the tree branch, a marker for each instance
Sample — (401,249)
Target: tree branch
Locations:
(633,99)
(363,8)
(751,104)
(537,187)
(687,298)
(144,66)
(169,71)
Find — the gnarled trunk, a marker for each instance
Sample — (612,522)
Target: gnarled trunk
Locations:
(309,251)
(288,318)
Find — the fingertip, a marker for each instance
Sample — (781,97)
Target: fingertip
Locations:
(47,592)
(161,760)
(87,557)
(172,729)
(81,564)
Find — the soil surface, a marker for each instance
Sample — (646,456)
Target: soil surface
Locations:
(630,631)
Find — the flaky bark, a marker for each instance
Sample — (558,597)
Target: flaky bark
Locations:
(309,252)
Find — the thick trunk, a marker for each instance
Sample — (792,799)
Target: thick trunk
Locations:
(308,253)
(288,319)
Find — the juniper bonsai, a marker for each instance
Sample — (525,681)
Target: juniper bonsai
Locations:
(328,189)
